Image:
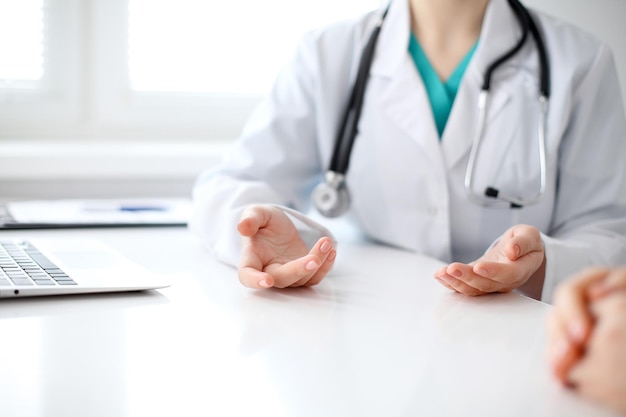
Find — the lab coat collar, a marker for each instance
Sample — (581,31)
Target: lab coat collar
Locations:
(499,33)
(393,41)
(405,99)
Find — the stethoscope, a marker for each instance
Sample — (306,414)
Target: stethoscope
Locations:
(331,196)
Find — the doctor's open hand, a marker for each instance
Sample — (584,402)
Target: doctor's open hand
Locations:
(274,254)
(516,259)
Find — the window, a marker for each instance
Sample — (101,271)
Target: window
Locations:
(146,69)
(21,63)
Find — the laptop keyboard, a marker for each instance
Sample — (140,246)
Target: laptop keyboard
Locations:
(22,264)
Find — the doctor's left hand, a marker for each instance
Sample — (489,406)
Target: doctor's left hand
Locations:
(516,259)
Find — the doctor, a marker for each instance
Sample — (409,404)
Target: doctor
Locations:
(417,173)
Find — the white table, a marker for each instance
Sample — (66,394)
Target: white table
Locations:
(379,337)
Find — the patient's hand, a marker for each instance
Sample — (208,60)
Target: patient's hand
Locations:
(601,372)
(587,335)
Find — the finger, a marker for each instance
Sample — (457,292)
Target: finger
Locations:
(324,269)
(565,357)
(578,375)
(440,273)
(445,284)
(457,269)
(572,304)
(463,288)
(322,249)
(287,274)
(253,278)
(504,276)
(460,286)
(522,241)
(615,280)
(562,354)
(250,269)
(465,273)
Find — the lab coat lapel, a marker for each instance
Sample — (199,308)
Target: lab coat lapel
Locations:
(500,32)
(460,130)
(407,105)
(404,98)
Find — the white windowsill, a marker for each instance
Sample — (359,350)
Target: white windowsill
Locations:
(48,160)
(38,169)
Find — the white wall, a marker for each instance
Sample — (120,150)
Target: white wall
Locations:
(606,19)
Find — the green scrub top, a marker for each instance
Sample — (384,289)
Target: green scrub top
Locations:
(441,95)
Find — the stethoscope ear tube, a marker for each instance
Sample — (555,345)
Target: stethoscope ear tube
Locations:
(349,127)
(331,196)
(544,62)
(523,18)
(490,191)
(528,25)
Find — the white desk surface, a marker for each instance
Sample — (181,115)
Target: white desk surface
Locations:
(379,337)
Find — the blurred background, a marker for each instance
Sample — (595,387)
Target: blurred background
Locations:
(134,98)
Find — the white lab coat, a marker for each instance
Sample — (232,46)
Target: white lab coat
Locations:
(407,185)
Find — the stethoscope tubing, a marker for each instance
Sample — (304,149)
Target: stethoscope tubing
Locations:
(335,176)
(349,128)
(528,25)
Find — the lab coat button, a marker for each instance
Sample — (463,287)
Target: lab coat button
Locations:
(433,211)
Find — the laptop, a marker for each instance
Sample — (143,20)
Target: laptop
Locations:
(38,267)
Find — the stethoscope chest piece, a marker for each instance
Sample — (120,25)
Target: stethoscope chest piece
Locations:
(331,196)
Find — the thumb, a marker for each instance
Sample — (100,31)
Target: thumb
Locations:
(524,240)
(252,219)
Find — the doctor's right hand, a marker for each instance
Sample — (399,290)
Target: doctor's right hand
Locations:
(274,254)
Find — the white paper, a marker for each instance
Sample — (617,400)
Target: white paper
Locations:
(101,211)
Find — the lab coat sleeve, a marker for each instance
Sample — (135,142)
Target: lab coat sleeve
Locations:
(275,162)
(589,226)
